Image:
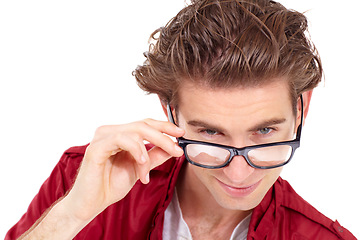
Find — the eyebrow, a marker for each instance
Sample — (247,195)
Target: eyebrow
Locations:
(264,124)
(202,124)
(267,123)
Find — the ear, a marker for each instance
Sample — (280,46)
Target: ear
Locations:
(306,104)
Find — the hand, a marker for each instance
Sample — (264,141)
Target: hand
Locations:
(115,159)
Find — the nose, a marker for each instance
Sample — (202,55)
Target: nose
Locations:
(238,169)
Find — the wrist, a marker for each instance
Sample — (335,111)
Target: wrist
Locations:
(68,209)
(61,221)
(57,223)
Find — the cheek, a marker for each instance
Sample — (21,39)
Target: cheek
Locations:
(270,177)
(202,174)
(204,178)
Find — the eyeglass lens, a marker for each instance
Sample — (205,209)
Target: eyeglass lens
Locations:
(217,156)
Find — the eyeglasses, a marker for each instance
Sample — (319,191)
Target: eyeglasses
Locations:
(263,156)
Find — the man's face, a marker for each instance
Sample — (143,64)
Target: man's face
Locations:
(237,117)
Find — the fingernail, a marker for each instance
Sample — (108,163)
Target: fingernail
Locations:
(178,149)
(147,178)
(143,159)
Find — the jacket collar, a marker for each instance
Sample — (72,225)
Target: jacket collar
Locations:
(264,215)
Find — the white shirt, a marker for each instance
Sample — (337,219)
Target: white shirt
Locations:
(175,227)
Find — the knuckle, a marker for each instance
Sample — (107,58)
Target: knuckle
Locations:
(155,123)
(131,140)
(137,137)
(101,130)
(148,120)
(140,125)
(134,148)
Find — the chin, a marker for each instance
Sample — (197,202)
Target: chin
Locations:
(242,204)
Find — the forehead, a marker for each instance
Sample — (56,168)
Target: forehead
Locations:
(240,102)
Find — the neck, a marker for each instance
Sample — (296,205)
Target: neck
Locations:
(197,203)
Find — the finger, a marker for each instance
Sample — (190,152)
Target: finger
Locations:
(144,130)
(144,166)
(149,130)
(134,146)
(140,167)
(158,156)
(156,136)
(164,142)
(165,127)
(139,153)
(143,174)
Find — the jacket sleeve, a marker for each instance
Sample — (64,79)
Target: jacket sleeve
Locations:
(55,187)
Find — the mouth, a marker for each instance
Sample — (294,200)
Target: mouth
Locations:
(238,192)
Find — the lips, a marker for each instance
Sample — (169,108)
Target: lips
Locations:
(239,191)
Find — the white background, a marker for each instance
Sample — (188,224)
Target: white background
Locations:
(65,68)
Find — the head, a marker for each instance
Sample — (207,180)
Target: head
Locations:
(227,67)
(223,44)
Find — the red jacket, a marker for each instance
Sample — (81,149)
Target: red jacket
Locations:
(282,214)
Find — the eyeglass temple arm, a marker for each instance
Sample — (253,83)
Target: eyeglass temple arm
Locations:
(170,115)
(298,133)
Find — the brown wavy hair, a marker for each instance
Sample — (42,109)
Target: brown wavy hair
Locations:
(230,43)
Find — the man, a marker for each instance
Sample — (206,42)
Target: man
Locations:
(235,79)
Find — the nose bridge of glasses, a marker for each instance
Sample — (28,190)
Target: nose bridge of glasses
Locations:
(238,164)
(238,152)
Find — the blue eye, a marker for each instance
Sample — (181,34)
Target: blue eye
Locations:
(211,132)
(264,131)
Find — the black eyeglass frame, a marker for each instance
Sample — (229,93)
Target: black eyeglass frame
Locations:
(183,142)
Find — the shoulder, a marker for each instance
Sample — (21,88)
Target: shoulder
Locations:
(70,161)
(73,155)
(77,150)
(303,219)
